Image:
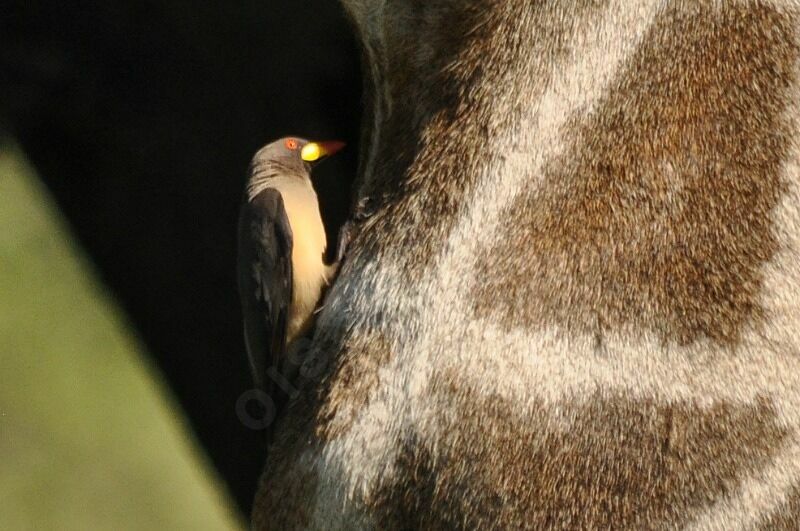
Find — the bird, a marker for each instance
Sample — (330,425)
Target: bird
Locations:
(282,272)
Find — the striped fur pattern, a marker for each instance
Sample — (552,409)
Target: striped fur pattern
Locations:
(575,300)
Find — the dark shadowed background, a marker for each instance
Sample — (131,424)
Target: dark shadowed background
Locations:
(140,118)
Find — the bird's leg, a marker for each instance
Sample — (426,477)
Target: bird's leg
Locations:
(345,233)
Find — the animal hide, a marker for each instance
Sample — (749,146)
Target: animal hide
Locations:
(574,299)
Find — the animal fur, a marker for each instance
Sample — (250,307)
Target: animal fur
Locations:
(575,300)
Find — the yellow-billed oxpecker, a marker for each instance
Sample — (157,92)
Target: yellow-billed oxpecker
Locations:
(282,243)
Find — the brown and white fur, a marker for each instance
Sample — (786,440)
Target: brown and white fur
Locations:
(575,303)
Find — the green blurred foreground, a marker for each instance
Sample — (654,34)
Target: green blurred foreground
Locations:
(89,439)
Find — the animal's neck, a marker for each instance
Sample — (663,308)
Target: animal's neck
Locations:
(453,87)
(275,176)
(592,130)
(447,84)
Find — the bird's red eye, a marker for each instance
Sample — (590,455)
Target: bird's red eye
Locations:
(291,144)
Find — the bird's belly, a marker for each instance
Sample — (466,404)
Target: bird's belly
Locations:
(307,284)
(308,268)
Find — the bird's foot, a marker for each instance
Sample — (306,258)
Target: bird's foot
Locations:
(345,234)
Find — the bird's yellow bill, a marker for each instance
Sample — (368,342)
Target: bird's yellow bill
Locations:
(311,152)
(314,151)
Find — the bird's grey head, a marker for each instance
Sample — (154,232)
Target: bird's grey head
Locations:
(289,157)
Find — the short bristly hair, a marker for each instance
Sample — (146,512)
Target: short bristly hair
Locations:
(573,300)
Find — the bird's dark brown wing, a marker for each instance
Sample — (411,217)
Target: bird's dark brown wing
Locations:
(265,285)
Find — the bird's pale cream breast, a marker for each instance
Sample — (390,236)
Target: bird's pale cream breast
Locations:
(309,243)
